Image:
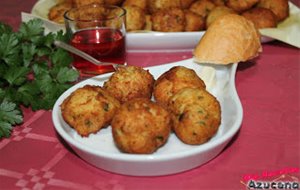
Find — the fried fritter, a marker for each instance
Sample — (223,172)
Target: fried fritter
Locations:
(261,17)
(279,7)
(202,7)
(241,5)
(172,81)
(113,2)
(194,22)
(219,2)
(156,5)
(88,109)
(217,12)
(80,3)
(140,3)
(185,4)
(171,20)
(141,126)
(130,82)
(56,13)
(197,115)
(135,18)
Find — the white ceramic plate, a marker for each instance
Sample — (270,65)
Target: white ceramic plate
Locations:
(141,42)
(99,149)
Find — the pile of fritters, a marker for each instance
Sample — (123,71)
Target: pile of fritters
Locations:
(184,15)
(139,124)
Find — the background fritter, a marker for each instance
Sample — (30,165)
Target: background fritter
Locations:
(80,3)
(135,18)
(218,12)
(172,81)
(57,12)
(193,21)
(130,82)
(140,3)
(88,109)
(156,5)
(261,17)
(197,115)
(141,126)
(171,20)
(113,2)
(202,7)
(241,5)
(279,7)
(185,4)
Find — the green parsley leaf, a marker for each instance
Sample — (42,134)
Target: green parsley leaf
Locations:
(9,116)
(67,75)
(9,48)
(32,30)
(5,29)
(16,75)
(33,72)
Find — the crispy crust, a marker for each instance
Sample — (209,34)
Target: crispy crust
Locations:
(141,126)
(156,5)
(218,12)
(172,81)
(202,7)
(193,21)
(197,115)
(171,20)
(230,39)
(130,82)
(88,109)
(56,13)
(279,7)
(135,18)
(242,5)
(261,17)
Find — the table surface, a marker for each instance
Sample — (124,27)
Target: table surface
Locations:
(35,157)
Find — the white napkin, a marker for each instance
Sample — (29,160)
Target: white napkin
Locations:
(287,31)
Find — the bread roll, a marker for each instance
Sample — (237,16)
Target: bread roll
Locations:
(229,39)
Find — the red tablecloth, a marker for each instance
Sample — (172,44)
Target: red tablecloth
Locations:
(267,145)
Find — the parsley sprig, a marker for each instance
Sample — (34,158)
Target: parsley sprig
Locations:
(33,72)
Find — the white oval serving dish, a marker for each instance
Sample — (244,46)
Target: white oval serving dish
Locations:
(174,157)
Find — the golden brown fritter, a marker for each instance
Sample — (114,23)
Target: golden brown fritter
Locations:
(279,7)
(218,12)
(202,7)
(89,15)
(88,109)
(197,115)
(185,4)
(140,3)
(156,5)
(172,81)
(80,3)
(171,20)
(261,17)
(113,2)
(56,13)
(219,2)
(141,126)
(130,82)
(194,22)
(241,5)
(135,18)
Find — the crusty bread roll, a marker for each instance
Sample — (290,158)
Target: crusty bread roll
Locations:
(229,39)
